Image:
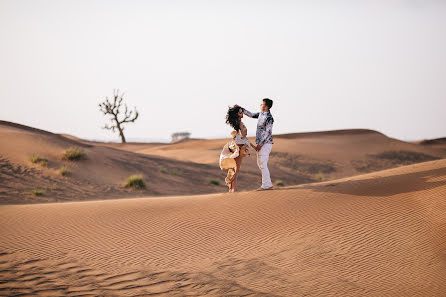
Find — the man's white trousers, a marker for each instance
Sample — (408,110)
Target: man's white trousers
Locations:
(262,162)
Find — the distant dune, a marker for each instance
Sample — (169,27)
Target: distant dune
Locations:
(435,141)
(100,176)
(377,234)
(187,167)
(307,157)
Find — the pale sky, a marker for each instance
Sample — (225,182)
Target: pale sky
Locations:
(326,64)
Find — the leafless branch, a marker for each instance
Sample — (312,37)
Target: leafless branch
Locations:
(114,110)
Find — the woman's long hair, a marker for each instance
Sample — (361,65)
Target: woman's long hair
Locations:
(232,117)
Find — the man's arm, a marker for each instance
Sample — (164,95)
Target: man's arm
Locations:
(250,114)
(267,133)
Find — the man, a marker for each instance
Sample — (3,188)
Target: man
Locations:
(264,140)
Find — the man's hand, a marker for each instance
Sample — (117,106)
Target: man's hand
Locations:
(258,147)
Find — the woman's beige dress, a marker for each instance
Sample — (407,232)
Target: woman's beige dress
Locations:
(238,146)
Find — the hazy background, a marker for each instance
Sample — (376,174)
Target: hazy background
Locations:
(326,64)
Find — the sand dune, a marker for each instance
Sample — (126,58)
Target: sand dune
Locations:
(187,167)
(377,234)
(305,157)
(100,176)
(437,143)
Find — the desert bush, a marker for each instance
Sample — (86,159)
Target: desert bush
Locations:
(279,183)
(163,170)
(320,176)
(135,181)
(38,192)
(214,182)
(38,160)
(166,171)
(34,159)
(64,171)
(73,154)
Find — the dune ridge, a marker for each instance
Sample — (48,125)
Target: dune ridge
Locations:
(377,234)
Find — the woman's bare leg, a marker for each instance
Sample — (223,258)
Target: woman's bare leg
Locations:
(230,185)
(238,162)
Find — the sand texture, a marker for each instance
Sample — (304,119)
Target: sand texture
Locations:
(376,234)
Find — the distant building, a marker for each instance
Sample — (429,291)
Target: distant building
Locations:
(180,135)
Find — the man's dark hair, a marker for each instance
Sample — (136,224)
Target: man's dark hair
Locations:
(268,102)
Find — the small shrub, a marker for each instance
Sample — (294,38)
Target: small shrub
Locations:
(38,192)
(214,182)
(320,176)
(279,183)
(64,171)
(54,188)
(34,159)
(135,181)
(73,154)
(163,170)
(38,160)
(166,171)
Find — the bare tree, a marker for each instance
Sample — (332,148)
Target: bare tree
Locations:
(114,110)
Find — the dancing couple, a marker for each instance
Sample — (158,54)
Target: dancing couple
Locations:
(240,146)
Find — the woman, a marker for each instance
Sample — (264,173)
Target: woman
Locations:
(234,151)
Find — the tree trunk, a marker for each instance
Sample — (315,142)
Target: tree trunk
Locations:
(121,133)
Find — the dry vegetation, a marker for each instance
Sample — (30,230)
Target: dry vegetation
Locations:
(74,154)
(38,160)
(135,182)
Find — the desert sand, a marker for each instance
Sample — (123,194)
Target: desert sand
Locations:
(376,234)
(100,176)
(359,214)
(188,167)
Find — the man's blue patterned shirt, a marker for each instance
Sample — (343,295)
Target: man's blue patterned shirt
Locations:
(264,133)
